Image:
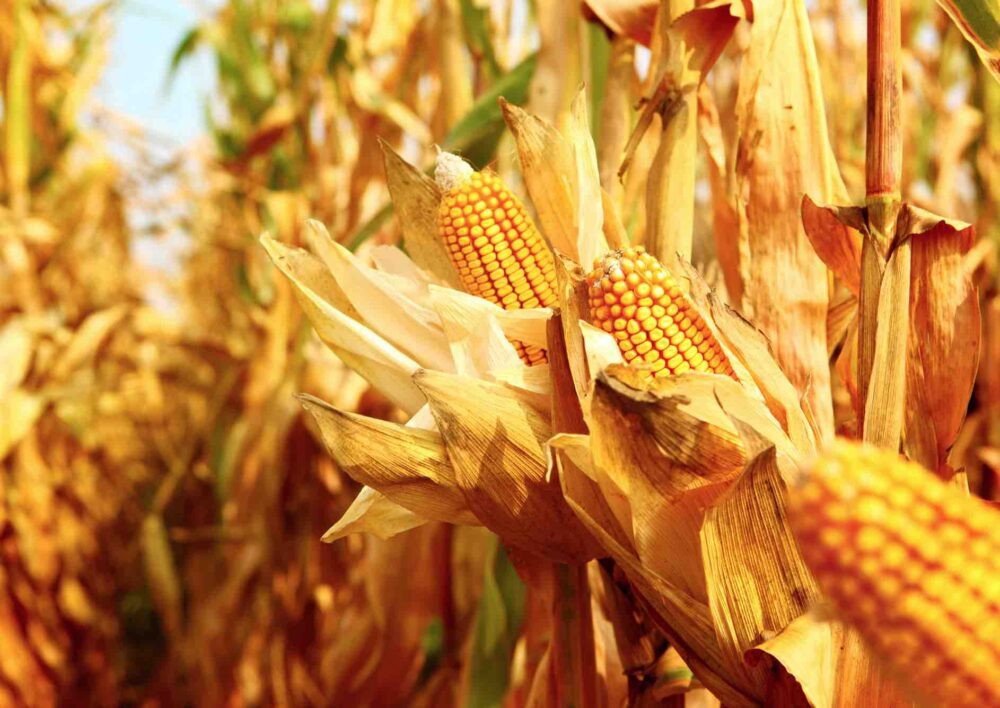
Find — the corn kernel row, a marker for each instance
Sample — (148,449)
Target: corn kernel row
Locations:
(496,248)
(912,563)
(637,300)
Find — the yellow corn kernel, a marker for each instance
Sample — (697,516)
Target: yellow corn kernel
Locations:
(493,243)
(910,562)
(637,300)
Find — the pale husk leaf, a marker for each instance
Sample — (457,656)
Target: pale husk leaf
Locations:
(384,366)
(885,403)
(383,305)
(590,240)
(372,512)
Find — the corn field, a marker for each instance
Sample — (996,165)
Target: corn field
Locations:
(516,353)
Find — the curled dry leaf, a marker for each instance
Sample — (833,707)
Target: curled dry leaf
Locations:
(407,465)
(373,513)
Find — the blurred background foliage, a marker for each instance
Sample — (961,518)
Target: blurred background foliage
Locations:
(162,497)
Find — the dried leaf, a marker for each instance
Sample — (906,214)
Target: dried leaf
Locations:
(885,405)
(549,169)
(495,444)
(16,343)
(945,333)
(835,235)
(633,18)
(86,340)
(590,241)
(757,580)
(783,152)
(372,512)
(18,412)
(406,465)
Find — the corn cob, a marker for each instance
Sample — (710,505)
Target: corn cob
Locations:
(910,562)
(493,243)
(636,299)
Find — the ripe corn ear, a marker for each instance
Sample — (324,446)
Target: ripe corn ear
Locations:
(493,243)
(910,562)
(635,299)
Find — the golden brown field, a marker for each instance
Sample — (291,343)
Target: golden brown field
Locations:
(518,353)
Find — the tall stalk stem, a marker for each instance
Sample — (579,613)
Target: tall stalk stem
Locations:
(883,184)
(573,661)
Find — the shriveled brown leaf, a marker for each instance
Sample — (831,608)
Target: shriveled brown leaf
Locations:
(834,235)
(945,334)
(783,152)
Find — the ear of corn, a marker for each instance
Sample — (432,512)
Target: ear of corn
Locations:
(493,243)
(913,564)
(637,300)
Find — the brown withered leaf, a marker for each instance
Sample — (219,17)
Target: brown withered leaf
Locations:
(495,443)
(783,151)
(835,235)
(407,465)
(416,198)
(632,18)
(372,512)
(945,333)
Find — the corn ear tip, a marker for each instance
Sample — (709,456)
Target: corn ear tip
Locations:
(450,170)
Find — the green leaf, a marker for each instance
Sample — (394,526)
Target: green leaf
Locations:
(498,625)
(476,23)
(979,21)
(296,16)
(184,49)
(600,56)
(475,137)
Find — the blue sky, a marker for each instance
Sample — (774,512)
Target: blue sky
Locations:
(134,83)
